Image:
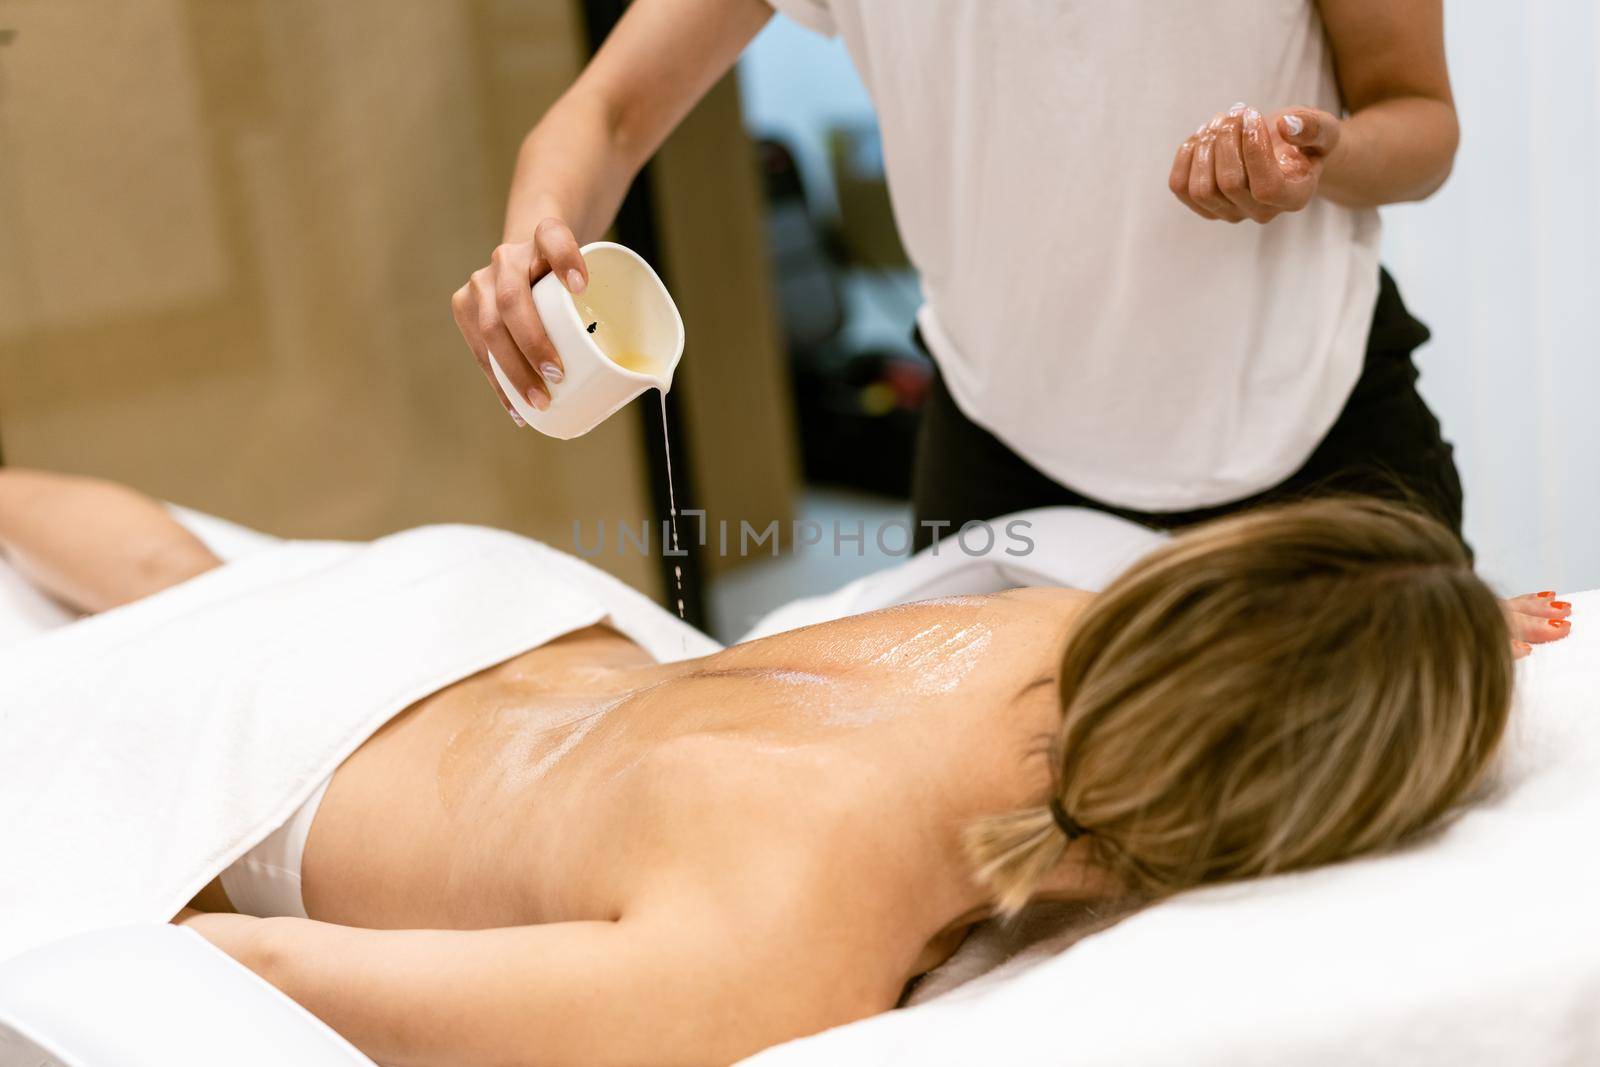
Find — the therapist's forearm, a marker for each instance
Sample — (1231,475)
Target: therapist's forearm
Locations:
(1400,139)
(662,57)
(576,166)
(1392,151)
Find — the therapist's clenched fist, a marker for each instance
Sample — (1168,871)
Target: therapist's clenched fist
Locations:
(1246,165)
(496,316)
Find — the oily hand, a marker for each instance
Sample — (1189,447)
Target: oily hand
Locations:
(1246,165)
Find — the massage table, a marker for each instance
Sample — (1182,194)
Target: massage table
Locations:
(1480,945)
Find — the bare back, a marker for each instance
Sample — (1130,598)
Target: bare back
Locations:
(537,791)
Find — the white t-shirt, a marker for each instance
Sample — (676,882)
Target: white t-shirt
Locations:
(1121,344)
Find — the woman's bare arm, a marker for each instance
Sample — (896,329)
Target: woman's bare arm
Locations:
(739,935)
(666,988)
(662,57)
(1400,140)
(93,544)
(575,166)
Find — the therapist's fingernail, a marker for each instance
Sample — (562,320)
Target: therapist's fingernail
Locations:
(551,373)
(1239,108)
(538,399)
(518,419)
(575,282)
(1294,125)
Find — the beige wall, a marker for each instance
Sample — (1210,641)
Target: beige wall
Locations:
(227,243)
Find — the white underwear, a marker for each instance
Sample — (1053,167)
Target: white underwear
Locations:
(266,880)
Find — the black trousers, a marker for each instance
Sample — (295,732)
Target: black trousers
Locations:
(1385,443)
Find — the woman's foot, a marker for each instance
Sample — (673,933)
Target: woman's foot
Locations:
(1536,618)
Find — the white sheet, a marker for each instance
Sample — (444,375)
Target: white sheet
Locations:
(148,747)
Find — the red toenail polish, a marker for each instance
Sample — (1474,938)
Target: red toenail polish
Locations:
(1547,592)
(1560,605)
(1558,623)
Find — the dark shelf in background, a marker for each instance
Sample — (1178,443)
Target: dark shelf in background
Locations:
(636,228)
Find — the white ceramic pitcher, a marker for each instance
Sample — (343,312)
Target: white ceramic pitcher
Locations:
(620,336)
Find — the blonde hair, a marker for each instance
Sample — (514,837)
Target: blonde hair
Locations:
(1266,693)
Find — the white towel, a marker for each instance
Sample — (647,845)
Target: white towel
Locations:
(143,750)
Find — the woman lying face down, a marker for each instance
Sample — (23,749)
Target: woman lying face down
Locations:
(584,856)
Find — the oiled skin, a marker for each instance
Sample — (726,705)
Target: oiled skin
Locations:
(515,796)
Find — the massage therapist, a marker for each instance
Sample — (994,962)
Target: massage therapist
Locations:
(1127,310)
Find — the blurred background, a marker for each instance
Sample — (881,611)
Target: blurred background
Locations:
(229,232)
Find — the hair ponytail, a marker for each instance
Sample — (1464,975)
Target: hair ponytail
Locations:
(1013,853)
